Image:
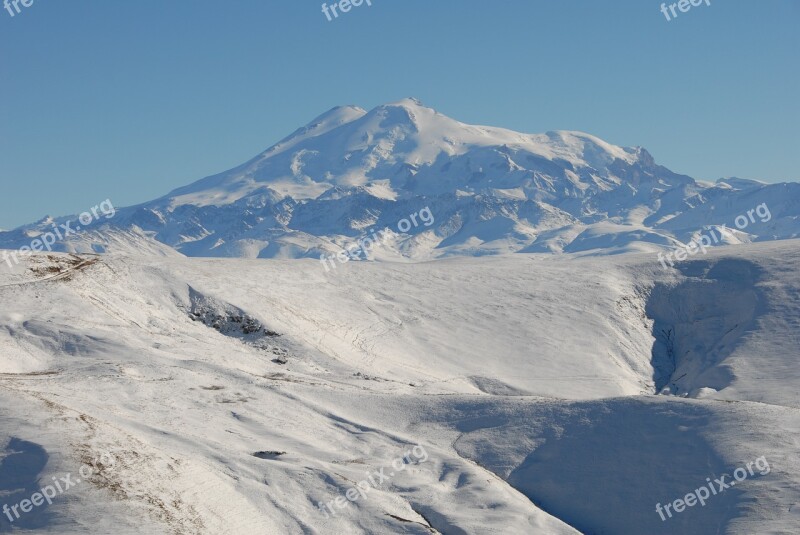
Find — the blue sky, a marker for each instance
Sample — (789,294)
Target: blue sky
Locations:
(128,100)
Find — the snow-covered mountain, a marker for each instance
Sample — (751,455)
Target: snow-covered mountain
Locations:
(489,190)
(540,394)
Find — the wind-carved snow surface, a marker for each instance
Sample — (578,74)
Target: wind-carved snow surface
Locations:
(538,386)
(491,190)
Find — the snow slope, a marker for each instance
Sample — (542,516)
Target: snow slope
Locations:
(235,395)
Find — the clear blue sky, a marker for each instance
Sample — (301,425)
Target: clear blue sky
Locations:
(130,99)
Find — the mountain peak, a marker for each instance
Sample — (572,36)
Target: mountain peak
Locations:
(408,102)
(398,145)
(339,115)
(322,124)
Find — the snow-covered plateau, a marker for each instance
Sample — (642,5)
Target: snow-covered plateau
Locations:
(508,394)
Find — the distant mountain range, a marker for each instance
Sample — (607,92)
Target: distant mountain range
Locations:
(490,190)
